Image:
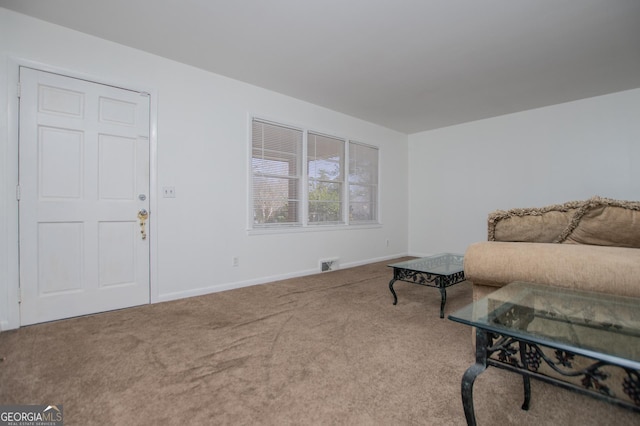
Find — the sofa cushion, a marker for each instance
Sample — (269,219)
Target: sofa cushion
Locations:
(532,226)
(535,225)
(596,221)
(608,223)
(614,270)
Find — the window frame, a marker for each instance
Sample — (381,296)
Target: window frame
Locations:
(297,179)
(304,224)
(375,186)
(342,181)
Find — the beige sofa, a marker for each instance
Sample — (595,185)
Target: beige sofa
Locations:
(592,245)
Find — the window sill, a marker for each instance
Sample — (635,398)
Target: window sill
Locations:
(312,228)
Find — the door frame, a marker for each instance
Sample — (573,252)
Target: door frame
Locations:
(11,318)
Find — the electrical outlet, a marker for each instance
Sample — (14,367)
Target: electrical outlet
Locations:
(235,261)
(169,192)
(387,243)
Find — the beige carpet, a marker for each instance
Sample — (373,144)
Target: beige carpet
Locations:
(328,349)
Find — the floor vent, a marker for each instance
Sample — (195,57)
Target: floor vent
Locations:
(327,265)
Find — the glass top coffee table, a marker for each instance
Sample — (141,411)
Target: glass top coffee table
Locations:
(441,270)
(582,341)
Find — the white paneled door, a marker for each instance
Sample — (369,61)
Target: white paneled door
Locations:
(83,180)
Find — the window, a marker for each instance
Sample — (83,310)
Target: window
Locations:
(275,161)
(302,178)
(363,183)
(325,165)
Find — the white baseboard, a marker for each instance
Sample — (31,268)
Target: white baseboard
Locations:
(262,280)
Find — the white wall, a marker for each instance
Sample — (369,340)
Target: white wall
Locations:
(565,152)
(202,149)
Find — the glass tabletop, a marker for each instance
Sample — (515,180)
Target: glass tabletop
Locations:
(440,264)
(582,322)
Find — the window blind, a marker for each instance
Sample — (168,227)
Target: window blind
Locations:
(325,168)
(363,183)
(276,162)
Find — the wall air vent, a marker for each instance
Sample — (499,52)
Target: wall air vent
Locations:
(327,265)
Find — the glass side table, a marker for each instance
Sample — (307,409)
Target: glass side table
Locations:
(441,271)
(582,341)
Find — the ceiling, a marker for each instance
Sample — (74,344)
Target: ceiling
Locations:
(410,65)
